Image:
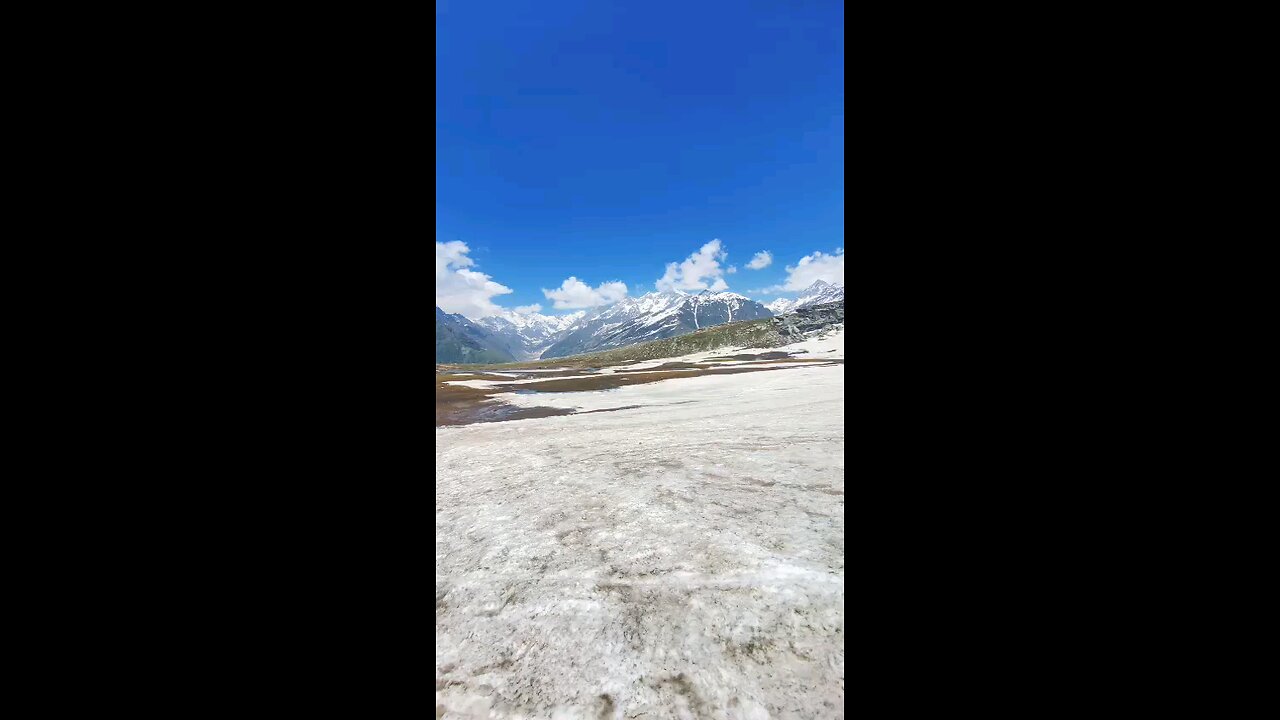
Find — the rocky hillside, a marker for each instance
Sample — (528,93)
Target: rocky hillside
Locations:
(794,326)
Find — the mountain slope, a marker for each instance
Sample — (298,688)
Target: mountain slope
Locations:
(819,293)
(528,335)
(458,340)
(654,316)
(781,305)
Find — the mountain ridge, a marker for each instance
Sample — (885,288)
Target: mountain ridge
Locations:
(761,333)
(820,292)
(654,316)
(529,334)
(657,315)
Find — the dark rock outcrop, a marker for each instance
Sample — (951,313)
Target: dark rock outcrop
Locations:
(795,325)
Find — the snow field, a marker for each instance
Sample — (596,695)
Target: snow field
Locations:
(681,559)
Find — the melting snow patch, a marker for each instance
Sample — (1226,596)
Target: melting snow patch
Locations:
(681,559)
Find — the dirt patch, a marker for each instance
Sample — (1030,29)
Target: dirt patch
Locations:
(462,405)
(790,360)
(624,407)
(775,355)
(605,708)
(556,374)
(509,375)
(685,689)
(498,411)
(669,366)
(589,383)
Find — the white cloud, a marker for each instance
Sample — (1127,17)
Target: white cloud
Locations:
(695,270)
(719,285)
(731,270)
(762,259)
(573,294)
(463,291)
(818,266)
(526,309)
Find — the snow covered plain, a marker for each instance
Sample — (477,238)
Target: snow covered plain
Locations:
(679,559)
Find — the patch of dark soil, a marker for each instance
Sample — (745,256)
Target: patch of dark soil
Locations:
(775,355)
(570,372)
(792,360)
(499,411)
(683,687)
(616,380)
(669,366)
(624,407)
(462,405)
(496,413)
(606,707)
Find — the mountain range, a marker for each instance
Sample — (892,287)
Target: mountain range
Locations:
(654,316)
(819,293)
(526,336)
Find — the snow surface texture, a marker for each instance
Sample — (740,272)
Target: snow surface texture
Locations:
(682,559)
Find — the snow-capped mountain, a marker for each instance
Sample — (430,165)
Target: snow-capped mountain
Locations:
(781,305)
(819,293)
(651,317)
(528,335)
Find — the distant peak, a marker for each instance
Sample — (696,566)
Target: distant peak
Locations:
(721,295)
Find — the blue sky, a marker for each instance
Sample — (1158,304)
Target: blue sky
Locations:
(601,141)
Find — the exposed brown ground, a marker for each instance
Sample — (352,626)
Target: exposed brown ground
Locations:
(790,360)
(669,366)
(462,405)
(617,380)
(775,355)
(771,357)
(557,374)
(481,375)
